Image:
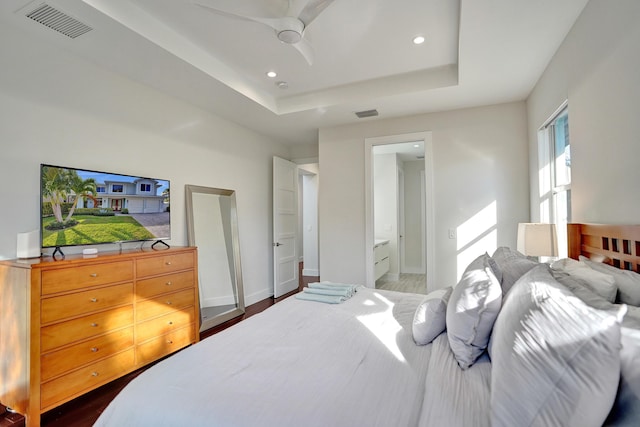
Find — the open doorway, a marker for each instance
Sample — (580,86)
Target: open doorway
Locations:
(399,212)
(308,220)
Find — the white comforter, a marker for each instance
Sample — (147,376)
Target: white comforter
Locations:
(299,363)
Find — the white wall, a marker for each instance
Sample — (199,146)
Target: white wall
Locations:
(480,177)
(58,109)
(596,69)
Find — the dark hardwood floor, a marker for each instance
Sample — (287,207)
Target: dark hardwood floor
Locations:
(85,410)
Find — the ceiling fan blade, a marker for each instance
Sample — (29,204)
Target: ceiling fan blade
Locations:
(308,10)
(305,49)
(271,22)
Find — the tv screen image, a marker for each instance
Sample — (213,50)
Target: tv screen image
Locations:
(85,207)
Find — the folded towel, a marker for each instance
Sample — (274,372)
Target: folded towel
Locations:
(329,299)
(332,286)
(333,292)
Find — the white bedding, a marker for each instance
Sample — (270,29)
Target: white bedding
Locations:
(299,363)
(456,397)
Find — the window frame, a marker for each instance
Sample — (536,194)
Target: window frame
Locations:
(549,191)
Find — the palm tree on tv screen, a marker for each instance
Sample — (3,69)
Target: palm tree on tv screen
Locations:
(59,183)
(83,188)
(54,189)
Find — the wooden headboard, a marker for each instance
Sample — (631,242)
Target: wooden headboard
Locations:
(619,245)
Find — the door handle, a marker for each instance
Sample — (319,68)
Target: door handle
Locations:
(277,244)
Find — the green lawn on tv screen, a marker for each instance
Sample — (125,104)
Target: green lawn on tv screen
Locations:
(95,229)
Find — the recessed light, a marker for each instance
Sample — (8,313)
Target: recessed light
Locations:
(271,74)
(418,40)
(282,85)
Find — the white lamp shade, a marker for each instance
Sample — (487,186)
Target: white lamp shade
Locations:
(537,239)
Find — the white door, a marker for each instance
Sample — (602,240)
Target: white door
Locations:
(285,226)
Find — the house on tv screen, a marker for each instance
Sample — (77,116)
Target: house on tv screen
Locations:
(139,196)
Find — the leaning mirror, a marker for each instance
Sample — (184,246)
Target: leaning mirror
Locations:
(212,227)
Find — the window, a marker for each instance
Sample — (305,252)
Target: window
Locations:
(100,189)
(117,188)
(555,174)
(146,188)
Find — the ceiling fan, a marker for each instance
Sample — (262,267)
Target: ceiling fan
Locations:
(289,28)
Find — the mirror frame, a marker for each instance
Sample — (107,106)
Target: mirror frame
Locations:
(191,237)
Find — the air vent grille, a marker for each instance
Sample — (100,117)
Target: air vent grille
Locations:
(59,21)
(367,113)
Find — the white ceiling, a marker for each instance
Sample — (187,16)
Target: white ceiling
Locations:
(477,52)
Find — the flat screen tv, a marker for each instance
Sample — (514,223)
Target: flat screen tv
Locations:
(86,207)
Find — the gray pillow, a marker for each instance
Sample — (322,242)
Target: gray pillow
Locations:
(556,361)
(512,265)
(429,320)
(628,282)
(583,291)
(601,283)
(472,310)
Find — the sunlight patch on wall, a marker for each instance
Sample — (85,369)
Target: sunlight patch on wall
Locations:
(476,236)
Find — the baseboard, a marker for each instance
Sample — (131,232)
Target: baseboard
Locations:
(310,272)
(257,297)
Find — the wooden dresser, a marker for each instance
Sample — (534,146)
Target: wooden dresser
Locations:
(69,326)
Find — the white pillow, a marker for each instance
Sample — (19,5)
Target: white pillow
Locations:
(601,283)
(628,282)
(472,310)
(555,360)
(429,320)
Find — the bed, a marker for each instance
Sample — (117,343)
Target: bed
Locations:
(384,358)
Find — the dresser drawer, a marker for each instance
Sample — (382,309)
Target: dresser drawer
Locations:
(166,344)
(164,304)
(148,288)
(69,279)
(164,324)
(89,377)
(164,264)
(79,303)
(61,361)
(85,327)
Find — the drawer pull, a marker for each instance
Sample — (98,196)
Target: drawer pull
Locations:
(94,349)
(168,283)
(168,302)
(168,263)
(170,322)
(94,374)
(169,342)
(93,275)
(94,299)
(94,324)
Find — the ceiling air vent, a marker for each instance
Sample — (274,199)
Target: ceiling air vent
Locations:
(367,113)
(59,21)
